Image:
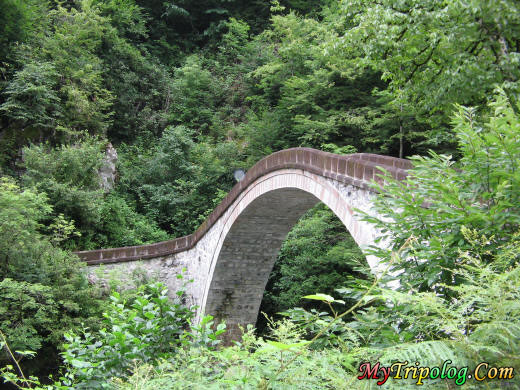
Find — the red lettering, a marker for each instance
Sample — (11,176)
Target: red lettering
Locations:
(369,371)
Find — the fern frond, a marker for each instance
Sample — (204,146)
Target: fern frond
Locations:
(430,353)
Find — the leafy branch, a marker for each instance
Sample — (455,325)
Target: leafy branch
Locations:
(329,300)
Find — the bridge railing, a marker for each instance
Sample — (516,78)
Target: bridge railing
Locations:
(358,169)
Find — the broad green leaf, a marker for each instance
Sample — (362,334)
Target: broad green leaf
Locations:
(320,297)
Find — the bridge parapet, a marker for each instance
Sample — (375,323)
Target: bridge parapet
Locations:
(357,169)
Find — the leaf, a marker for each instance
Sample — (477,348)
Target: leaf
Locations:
(320,297)
(206,319)
(284,347)
(80,364)
(26,353)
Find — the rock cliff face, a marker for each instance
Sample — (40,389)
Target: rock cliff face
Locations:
(107,172)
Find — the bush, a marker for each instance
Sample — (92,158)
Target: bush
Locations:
(440,196)
(121,225)
(176,183)
(69,175)
(143,330)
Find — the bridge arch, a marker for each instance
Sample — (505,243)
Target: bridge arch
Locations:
(255,230)
(232,253)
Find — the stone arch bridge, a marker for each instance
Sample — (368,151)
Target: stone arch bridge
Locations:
(231,254)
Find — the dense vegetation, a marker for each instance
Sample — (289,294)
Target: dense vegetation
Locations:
(189,91)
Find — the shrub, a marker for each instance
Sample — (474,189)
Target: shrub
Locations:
(143,330)
(440,196)
(69,176)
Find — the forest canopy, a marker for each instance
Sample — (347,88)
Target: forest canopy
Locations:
(187,92)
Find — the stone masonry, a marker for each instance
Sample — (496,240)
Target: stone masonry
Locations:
(232,253)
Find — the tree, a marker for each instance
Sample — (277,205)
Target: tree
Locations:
(32,99)
(300,97)
(62,67)
(142,85)
(44,291)
(434,54)
(69,176)
(178,182)
(18,21)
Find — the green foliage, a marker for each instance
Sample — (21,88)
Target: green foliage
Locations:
(305,6)
(72,71)
(174,183)
(25,254)
(434,54)
(61,77)
(240,368)
(77,35)
(121,225)
(142,331)
(44,292)
(142,85)
(126,17)
(439,197)
(209,92)
(204,334)
(18,21)
(319,255)
(194,96)
(32,98)
(197,89)
(69,176)
(39,313)
(144,327)
(17,377)
(286,363)
(21,213)
(299,98)
(481,324)
(181,26)
(234,41)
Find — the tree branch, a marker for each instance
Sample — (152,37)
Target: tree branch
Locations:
(420,64)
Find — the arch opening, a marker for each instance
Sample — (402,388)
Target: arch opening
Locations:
(318,255)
